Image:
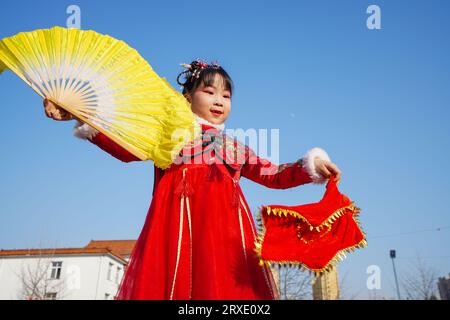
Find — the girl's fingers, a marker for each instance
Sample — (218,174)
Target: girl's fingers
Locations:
(53,115)
(335,171)
(57,115)
(55,112)
(48,104)
(62,113)
(49,109)
(329,169)
(324,172)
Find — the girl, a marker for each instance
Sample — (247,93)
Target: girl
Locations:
(198,238)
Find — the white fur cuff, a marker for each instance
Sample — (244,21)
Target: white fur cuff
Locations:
(84,131)
(309,166)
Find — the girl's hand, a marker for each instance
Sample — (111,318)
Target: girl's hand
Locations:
(327,169)
(56,112)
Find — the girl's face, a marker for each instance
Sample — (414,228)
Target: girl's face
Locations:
(212,103)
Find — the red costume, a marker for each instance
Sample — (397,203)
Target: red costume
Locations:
(199,236)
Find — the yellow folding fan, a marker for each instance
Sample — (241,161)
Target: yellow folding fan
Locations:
(108,85)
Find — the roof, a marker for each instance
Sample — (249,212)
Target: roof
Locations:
(120,249)
(57,251)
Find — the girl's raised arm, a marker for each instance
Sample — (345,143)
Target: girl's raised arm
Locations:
(86,132)
(286,175)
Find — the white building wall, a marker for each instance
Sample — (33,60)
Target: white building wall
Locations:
(82,277)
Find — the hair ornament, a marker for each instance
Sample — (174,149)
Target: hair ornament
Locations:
(195,68)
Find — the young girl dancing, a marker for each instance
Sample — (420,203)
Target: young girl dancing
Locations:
(198,238)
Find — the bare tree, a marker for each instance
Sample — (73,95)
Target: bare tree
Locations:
(345,292)
(37,283)
(419,283)
(373,295)
(294,284)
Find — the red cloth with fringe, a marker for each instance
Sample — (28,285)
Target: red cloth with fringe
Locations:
(198,238)
(315,236)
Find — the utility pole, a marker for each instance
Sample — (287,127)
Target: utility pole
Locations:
(392,253)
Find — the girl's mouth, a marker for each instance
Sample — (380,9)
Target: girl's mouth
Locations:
(216,112)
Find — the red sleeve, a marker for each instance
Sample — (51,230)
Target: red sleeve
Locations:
(108,145)
(274,176)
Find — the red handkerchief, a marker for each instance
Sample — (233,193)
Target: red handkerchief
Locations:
(315,236)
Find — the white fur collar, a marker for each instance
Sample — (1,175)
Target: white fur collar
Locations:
(200,120)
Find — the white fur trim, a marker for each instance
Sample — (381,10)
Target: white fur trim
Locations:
(200,120)
(84,131)
(309,166)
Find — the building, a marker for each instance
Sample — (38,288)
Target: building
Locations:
(93,272)
(444,287)
(326,286)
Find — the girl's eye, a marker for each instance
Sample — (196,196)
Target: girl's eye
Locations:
(227,97)
(210,92)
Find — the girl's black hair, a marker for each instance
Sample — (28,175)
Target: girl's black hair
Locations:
(201,72)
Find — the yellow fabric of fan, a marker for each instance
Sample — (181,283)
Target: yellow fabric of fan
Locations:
(2,67)
(107,84)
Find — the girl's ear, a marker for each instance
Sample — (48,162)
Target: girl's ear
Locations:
(188,96)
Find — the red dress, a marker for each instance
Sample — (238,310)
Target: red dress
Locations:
(199,236)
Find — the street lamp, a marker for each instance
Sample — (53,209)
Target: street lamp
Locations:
(392,254)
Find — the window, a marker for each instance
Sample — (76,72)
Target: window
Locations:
(56,270)
(118,274)
(110,267)
(50,296)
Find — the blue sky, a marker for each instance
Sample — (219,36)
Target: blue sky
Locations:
(376,100)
